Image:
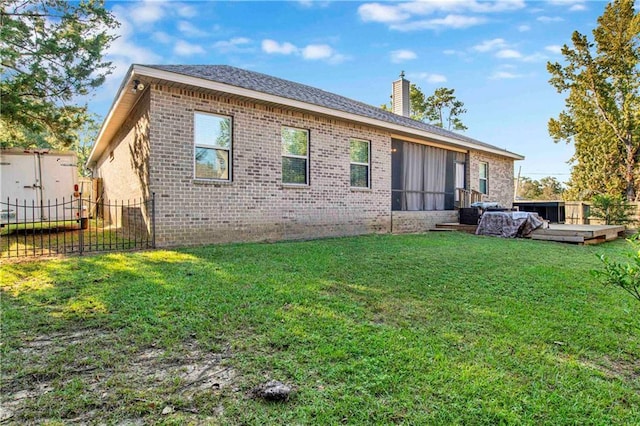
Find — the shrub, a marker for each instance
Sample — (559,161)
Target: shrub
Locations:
(613,209)
(623,275)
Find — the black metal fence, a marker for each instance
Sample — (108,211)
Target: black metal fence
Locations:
(75,225)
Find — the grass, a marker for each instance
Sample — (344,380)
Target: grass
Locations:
(443,328)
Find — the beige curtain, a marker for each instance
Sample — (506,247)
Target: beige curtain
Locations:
(413,176)
(435,169)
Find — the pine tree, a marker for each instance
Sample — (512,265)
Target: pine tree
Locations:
(50,52)
(602,109)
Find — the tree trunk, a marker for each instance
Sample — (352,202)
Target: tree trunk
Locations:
(629,167)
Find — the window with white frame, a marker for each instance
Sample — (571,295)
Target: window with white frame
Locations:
(295,156)
(360,154)
(212,154)
(484,178)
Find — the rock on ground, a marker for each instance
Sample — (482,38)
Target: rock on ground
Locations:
(272,391)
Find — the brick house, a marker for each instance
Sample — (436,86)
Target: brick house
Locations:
(234,155)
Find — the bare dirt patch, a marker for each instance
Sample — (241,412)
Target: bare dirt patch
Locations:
(627,369)
(93,372)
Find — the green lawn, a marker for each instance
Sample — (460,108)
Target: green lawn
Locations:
(442,328)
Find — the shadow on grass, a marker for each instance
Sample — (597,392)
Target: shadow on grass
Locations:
(437,328)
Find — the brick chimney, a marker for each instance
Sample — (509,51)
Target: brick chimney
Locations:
(400,96)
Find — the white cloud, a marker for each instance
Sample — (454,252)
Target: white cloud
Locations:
(429,77)
(436,78)
(535,57)
(574,5)
(311,52)
(185,11)
(123,52)
(272,46)
(549,19)
(124,48)
(458,6)
(184,48)
(450,52)
(524,28)
(233,44)
(402,55)
(376,12)
(434,14)
(508,54)
(314,52)
(317,51)
(311,3)
(338,58)
(146,12)
(190,30)
(488,45)
(554,48)
(504,75)
(504,50)
(450,21)
(162,37)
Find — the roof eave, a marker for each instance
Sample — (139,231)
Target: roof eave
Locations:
(240,91)
(107,125)
(107,130)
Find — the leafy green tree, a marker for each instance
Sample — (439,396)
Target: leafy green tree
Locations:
(438,109)
(418,103)
(612,209)
(602,109)
(86,135)
(547,188)
(551,188)
(444,110)
(50,51)
(529,189)
(623,275)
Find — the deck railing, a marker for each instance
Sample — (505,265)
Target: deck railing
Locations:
(466,197)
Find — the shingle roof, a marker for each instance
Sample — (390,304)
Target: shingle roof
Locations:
(299,92)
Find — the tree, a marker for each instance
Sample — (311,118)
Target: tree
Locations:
(602,109)
(51,52)
(551,188)
(623,275)
(529,189)
(438,109)
(613,210)
(86,135)
(443,107)
(547,188)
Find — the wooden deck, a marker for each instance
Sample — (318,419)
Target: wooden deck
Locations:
(454,226)
(565,233)
(579,234)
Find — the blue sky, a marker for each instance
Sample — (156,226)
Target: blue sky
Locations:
(493,53)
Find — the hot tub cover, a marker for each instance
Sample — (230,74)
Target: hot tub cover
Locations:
(508,224)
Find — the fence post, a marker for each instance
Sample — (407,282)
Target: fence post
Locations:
(81,235)
(153,220)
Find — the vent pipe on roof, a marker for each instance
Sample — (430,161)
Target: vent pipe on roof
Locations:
(400,96)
